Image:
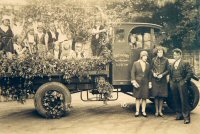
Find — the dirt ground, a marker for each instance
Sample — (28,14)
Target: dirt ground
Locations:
(94,118)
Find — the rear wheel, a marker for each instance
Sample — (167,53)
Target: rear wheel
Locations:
(193,96)
(52,100)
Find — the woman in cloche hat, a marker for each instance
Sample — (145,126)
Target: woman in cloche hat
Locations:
(141,83)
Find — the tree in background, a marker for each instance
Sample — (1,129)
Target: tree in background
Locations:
(184,33)
(178,17)
(79,16)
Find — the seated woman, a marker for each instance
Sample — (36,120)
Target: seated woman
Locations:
(19,47)
(79,48)
(132,40)
(66,51)
(57,50)
(105,52)
(63,47)
(30,40)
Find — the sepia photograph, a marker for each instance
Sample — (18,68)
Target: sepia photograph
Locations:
(99,67)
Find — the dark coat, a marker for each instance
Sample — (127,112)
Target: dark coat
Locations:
(52,40)
(6,40)
(178,86)
(186,71)
(159,86)
(142,79)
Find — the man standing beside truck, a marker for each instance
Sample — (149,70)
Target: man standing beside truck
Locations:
(180,75)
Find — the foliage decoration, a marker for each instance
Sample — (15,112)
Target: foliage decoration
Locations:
(17,74)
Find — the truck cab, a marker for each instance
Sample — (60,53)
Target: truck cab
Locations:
(128,41)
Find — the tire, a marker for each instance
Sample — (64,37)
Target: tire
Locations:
(193,96)
(47,87)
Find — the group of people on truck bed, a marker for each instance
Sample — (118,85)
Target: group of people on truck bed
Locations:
(56,41)
(150,79)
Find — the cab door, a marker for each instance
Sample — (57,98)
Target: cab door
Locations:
(125,54)
(122,52)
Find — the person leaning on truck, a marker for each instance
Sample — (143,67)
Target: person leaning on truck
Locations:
(141,82)
(180,74)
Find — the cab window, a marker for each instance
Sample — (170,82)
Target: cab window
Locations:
(143,37)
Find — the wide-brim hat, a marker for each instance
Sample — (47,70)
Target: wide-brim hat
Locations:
(5,17)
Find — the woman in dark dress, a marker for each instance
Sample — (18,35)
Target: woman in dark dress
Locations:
(141,83)
(6,36)
(159,70)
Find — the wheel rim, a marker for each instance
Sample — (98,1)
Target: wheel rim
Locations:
(53,103)
(191,97)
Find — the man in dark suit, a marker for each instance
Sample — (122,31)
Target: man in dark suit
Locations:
(180,75)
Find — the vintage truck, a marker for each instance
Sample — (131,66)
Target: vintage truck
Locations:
(53,96)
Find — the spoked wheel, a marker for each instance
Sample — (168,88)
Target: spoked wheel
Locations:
(193,96)
(52,100)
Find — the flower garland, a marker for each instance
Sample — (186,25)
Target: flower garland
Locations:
(104,88)
(16,75)
(53,103)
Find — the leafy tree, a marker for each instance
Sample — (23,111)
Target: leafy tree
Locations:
(178,17)
(77,15)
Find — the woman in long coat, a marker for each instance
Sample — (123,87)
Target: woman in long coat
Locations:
(159,70)
(6,36)
(141,83)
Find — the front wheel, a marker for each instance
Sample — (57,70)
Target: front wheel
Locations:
(52,100)
(193,96)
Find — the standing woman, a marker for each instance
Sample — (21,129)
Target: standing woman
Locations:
(6,36)
(141,83)
(159,70)
(40,40)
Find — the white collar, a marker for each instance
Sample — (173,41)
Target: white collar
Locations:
(4,28)
(178,61)
(141,61)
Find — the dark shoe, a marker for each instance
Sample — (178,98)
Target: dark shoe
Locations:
(186,121)
(137,114)
(179,117)
(144,114)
